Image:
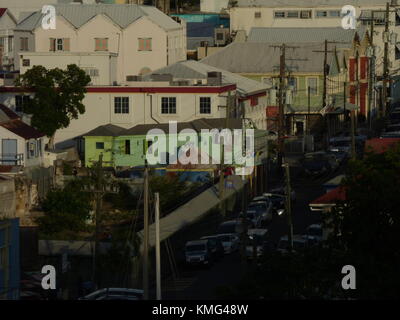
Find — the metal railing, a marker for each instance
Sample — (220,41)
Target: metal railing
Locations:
(9,159)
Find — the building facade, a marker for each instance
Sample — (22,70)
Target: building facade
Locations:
(142,37)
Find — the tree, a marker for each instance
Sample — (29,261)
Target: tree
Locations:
(65,209)
(57,99)
(367,224)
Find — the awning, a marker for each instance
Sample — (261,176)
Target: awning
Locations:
(328,200)
(339,109)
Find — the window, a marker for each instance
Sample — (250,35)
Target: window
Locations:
(2,43)
(305,14)
(292,14)
(30,149)
(220,36)
(313,84)
(397,53)
(24,44)
(26,62)
(145,44)
(59,44)
(39,147)
(121,105)
(19,102)
(293,83)
(101,44)
(279,14)
(168,105)
(100,145)
(10,44)
(253,101)
(257,14)
(334,13)
(205,105)
(321,14)
(127,146)
(92,72)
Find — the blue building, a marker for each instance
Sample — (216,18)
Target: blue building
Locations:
(9,259)
(216,19)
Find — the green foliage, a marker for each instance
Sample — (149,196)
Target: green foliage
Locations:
(65,210)
(58,96)
(124,199)
(170,188)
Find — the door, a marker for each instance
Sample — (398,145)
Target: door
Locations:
(9,152)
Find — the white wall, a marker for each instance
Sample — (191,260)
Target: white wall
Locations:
(213,5)
(123,42)
(105,63)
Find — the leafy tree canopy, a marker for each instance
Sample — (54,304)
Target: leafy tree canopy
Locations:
(58,96)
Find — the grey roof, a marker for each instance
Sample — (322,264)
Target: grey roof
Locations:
(197,125)
(192,69)
(259,58)
(308,3)
(308,35)
(123,15)
(108,130)
(194,42)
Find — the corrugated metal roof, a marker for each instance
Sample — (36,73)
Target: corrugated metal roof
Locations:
(194,42)
(308,35)
(308,3)
(259,58)
(108,130)
(123,15)
(192,69)
(22,129)
(7,114)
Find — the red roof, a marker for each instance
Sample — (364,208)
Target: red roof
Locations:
(380,145)
(8,112)
(331,197)
(2,10)
(5,169)
(21,129)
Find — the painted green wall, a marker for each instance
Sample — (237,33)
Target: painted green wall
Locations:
(92,154)
(300,99)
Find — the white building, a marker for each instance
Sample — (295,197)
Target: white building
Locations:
(7,25)
(142,37)
(300,13)
(160,99)
(21,144)
(213,5)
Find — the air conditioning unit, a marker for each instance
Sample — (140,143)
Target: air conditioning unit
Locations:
(133,78)
(221,36)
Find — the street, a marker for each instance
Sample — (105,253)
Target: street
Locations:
(202,283)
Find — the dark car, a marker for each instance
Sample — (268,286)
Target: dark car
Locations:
(216,247)
(317,163)
(233,226)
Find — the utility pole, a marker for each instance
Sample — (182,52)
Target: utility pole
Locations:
(371,67)
(344,104)
(158,262)
(146,233)
(98,197)
(222,160)
(386,35)
(353,140)
(281,116)
(308,111)
(289,206)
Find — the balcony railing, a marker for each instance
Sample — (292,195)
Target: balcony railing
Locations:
(8,159)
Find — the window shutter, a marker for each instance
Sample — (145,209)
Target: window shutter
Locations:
(52,44)
(141,44)
(66,44)
(96,44)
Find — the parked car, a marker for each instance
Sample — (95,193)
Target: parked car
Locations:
(216,246)
(230,242)
(299,244)
(115,294)
(233,226)
(277,200)
(257,238)
(263,211)
(318,163)
(198,252)
(314,233)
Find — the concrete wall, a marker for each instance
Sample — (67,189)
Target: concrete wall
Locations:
(105,63)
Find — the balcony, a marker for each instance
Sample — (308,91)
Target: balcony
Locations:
(8,159)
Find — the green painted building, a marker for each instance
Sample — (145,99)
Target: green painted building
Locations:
(122,148)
